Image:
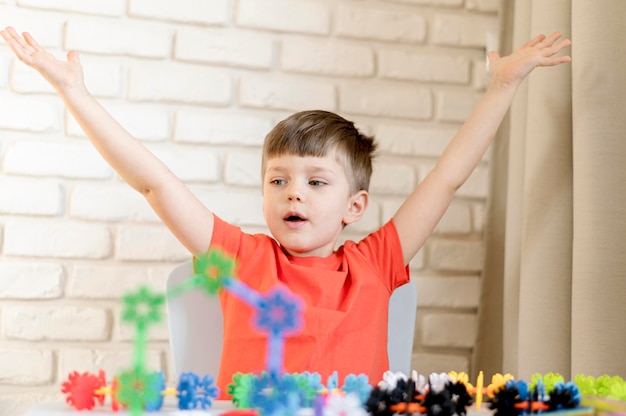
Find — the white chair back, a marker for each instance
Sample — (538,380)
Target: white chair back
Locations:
(195,323)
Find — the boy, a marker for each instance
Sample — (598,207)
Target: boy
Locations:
(316,169)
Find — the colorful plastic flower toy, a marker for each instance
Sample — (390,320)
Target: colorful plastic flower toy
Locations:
(498,381)
(213,269)
(142,308)
(240,389)
(564,396)
(139,390)
(586,384)
(390,380)
(81,388)
(278,314)
(344,404)
(461,377)
(549,380)
(309,385)
(357,385)
(333,382)
(611,387)
(195,391)
(274,395)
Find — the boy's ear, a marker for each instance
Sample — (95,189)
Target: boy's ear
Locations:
(358,205)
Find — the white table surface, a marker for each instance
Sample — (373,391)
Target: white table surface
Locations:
(64,409)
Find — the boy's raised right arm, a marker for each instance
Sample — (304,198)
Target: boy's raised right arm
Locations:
(187,218)
(419,214)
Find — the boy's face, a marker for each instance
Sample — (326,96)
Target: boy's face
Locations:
(306,202)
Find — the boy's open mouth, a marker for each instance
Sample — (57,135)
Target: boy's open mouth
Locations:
(294,218)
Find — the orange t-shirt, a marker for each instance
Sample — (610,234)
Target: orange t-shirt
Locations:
(345,296)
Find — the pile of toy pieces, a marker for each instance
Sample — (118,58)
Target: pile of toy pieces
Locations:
(274,392)
(291,394)
(452,394)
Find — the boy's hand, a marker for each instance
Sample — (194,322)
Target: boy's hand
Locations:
(540,51)
(60,74)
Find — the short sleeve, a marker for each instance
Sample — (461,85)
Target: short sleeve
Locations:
(384,253)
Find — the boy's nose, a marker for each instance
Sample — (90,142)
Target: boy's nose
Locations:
(294,194)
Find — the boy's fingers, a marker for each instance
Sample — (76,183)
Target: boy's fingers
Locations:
(14,39)
(563,44)
(13,34)
(6,34)
(535,41)
(32,42)
(73,56)
(554,49)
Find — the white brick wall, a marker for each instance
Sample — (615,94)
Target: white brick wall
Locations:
(457,30)
(210,127)
(146,40)
(327,57)
(17,115)
(380,23)
(284,93)
(96,7)
(201,83)
(26,367)
(56,323)
(30,197)
(57,239)
(388,100)
(214,12)
(111,361)
(31,280)
(403,65)
(57,158)
(179,83)
(222,46)
(304,16)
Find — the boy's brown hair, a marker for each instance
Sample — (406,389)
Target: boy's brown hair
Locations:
(319,133)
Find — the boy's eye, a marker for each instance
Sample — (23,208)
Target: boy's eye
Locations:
(315,182)
(277,181)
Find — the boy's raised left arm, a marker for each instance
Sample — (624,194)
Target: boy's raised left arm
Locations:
(419,214)
(186,217)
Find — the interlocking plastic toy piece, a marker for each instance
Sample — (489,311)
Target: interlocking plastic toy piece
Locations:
(80,389)
(278,312)
(139,390)
(549,380)
(357,385)
(240,389)
(194,391)
(215,267)
(343,404)
(143,308)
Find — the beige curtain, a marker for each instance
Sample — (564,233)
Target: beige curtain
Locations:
(554,286)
